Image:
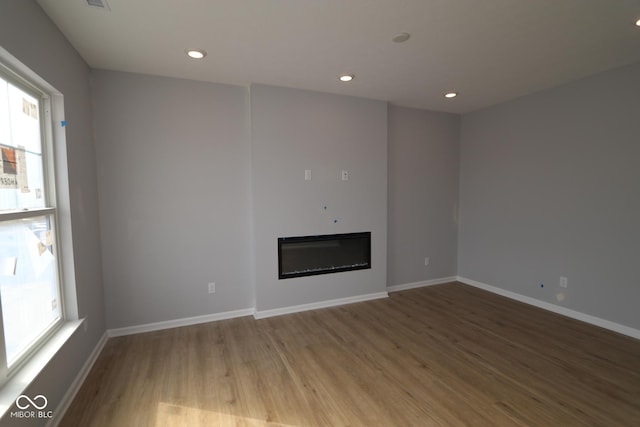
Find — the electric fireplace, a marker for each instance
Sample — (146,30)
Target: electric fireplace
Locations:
(324,254)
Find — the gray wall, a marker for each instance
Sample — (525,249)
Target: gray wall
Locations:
(27,33)
(174,186)
(423,194)
(175,164)
(550,186)
(295,130)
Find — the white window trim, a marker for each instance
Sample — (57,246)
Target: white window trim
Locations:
(56,156)
(24,84)
(22,379)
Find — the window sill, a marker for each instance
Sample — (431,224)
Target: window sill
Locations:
(21,380)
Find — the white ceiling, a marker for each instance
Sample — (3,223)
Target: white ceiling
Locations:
(488,50)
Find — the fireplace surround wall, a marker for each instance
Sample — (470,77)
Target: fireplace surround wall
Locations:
(293,131)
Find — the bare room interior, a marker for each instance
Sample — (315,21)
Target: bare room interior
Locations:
(319,213)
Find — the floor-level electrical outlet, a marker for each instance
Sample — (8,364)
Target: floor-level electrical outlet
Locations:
(212,287)
(426,261)
(564,282)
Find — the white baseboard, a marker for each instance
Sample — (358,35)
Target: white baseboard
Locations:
(77,383)
(405,286)
(176,323)
(612,326)
(261,314)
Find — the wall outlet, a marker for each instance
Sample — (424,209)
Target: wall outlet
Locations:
(345,175)
(427,261)
(212,287)
(564,282)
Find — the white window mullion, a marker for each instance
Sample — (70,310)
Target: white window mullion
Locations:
(27,213)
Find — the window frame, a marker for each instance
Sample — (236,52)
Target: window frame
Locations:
(44,95)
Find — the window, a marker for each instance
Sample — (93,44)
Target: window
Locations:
(30,293)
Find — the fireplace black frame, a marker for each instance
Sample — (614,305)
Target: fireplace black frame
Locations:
(366,264)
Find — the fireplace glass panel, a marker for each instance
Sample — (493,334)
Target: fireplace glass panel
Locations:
(311,255)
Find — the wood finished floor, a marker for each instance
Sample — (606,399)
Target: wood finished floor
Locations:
(443,355)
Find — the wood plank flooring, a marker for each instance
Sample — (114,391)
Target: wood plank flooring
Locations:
(446,355)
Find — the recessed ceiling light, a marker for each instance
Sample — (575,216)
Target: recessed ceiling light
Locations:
(346,77)
(451,94)
(401,37)
(638,23)
(196,53)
